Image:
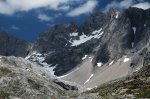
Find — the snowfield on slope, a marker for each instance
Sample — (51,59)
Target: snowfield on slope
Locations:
(84,38)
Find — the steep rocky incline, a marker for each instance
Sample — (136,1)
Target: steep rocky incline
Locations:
(22,79)
(12,46)
(125,36)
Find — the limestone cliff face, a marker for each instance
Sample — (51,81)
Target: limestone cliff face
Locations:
(124,36)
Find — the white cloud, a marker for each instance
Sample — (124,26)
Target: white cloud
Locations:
(119,5)
(44,17)
(84,9)
(14,27)
(144,5)
(9,7)
(65,8)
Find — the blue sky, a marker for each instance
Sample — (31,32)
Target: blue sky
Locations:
(27,19)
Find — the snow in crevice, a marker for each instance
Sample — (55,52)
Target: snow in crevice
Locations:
(134,29)
(132,44)
(145,25)
(99,64)
(84,57)
(111,62)
(91,60)
(39,59)
(117,15)
(126,59)
(97,31)
(84,38)
(66,44)
(89,78)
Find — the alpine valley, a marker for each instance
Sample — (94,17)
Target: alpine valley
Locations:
(108,56)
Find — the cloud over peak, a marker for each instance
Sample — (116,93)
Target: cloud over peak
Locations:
(118,5)
(44,17)
(143,5)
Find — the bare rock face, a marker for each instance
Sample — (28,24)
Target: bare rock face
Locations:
(64,44)
(12,46)
(22,79)
(124,36)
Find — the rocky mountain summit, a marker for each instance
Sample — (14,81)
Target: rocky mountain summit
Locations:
(70,58)
(13,46)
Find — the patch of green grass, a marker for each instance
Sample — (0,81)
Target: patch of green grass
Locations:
(4,95)
(144,92)
(4,71)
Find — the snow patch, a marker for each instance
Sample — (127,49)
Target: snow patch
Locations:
(126,59)
(117,16)
(84,57)
(97,31)
(134,29)
(74,34)
(84,38)
(91,60)
(132,44)
(89,78)
(89,88)
(66,44)
(145,25)
(50,69)
(99,64)
(39,59)
(111,62)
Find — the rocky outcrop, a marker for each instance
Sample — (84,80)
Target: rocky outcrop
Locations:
(65,86)
(12,46)
(22,79)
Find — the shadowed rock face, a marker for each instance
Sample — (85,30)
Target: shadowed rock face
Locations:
(12,46)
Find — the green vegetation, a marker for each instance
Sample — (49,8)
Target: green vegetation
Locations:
(4,95)
(4,71)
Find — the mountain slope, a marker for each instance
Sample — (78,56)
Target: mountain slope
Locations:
(21,79)
(10,45)
(135,86)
